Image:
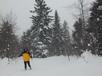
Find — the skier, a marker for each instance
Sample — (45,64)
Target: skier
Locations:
(26,58)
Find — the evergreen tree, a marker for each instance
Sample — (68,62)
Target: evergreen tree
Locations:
(82,43)
(57,37)
(95,27)
(78,37)
(26,40)
(67,48)
(40,32)
(9,41)
(0,41)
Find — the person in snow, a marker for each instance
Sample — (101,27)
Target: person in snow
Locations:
(26,58)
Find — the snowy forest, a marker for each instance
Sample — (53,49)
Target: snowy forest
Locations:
(52,45)
(49,36)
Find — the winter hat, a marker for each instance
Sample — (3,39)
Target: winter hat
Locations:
(25,49)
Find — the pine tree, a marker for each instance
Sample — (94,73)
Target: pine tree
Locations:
(80,33)
(57,37)
(95,27)
(0,41)
(9,41)
(41,20)
(78,37)
(67,48)
(26,40)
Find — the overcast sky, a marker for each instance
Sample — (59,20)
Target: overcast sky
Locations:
(20,9)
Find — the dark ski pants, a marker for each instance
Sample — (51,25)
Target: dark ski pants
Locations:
(27,63)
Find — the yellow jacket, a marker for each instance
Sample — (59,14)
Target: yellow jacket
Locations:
(26,56)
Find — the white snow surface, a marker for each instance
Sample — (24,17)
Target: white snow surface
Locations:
(86,65)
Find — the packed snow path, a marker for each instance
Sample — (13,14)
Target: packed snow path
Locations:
(54,66)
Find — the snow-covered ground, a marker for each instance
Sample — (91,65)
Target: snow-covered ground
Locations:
(87,65)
